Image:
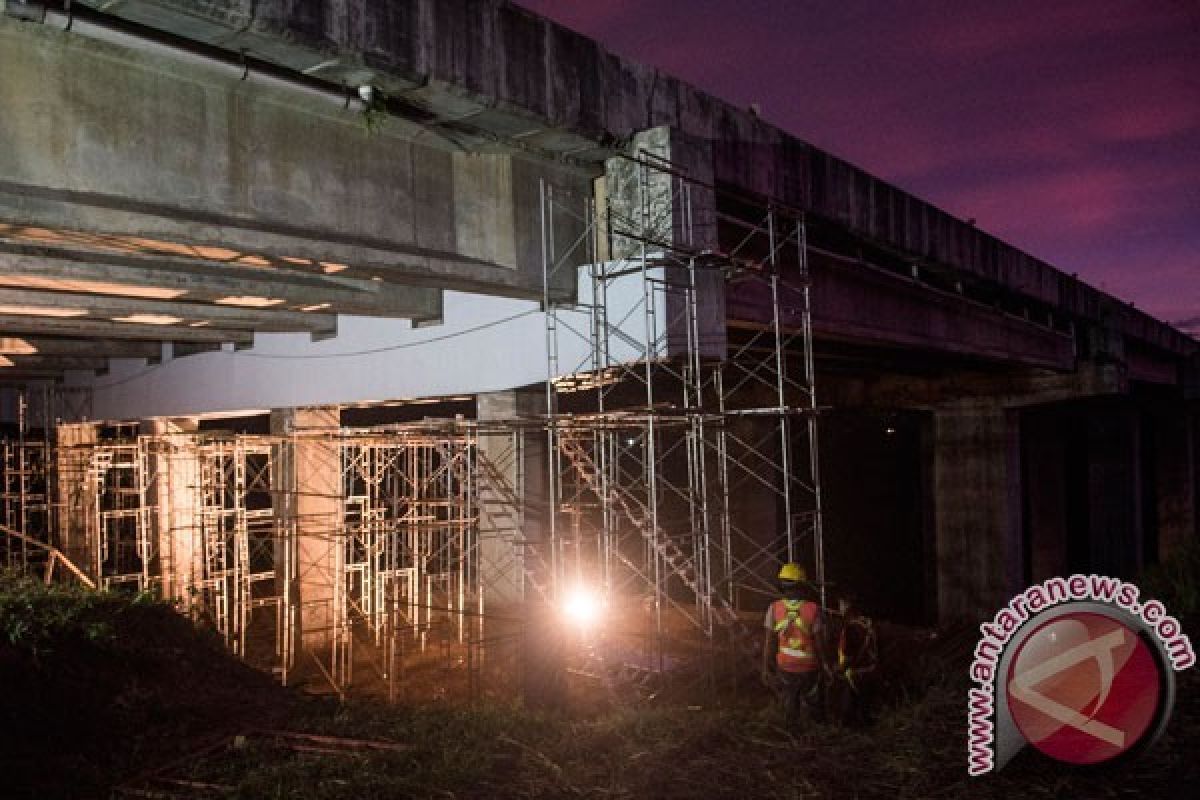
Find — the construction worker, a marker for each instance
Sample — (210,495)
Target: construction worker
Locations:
(791,646)
(853,676)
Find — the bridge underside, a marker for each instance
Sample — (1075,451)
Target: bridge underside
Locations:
(989,419)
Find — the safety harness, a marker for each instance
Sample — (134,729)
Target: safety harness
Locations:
(796,653)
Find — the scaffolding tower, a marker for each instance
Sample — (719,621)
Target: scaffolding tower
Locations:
(675,466)
(684,462)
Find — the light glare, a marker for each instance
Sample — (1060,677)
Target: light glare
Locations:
(582,606)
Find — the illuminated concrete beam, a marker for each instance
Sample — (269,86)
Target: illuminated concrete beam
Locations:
(20,324)
(98,348)
(233,314)
(29,264)
(55,363)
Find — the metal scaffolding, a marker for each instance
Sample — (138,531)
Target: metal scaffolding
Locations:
(411,539)
(26,476)
(674,467)
(684,462)
(126,548)
(241,560)
(426,521)
(24,501)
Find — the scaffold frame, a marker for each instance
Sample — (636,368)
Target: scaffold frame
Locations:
(646,480)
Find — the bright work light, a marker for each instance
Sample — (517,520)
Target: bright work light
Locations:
(582,606)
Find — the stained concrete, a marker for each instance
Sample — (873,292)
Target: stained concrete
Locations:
(977,517)
(1114,489)
(513,494)
(312,479)
(76,496)
(175,490)
(120,142)
(1174,450)
(492,71)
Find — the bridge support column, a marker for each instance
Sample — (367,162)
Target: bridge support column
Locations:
(512,495)
(1114,488)
(311,480)
(76,498)
(1044,447)
(1175,433)
(515,551)
(977,508)
(176,483)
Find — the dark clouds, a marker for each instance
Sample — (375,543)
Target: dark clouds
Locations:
(1069,128)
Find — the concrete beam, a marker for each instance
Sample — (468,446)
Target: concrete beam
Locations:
(27,264)
(365,254)
(96,348)
(23,377)
(856,303)
(177,150)
(51,363)
(1012,388)
(104,329)
(505,72)
(116,308)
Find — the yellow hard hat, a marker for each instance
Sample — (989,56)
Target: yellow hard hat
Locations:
(792,572)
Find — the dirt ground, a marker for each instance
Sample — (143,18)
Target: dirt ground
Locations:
(101,697)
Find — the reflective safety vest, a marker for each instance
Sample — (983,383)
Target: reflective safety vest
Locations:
(857,652)
(794,621)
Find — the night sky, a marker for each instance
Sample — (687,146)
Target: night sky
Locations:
(1068,128)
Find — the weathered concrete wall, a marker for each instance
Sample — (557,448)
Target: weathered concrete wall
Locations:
(313,475)
(75,503)
(1114,489)
(855,302)
(648,207)
(1174,451)
(513,496)
(175,491)
(1045,483)
(517,74)
(108,140)
(977,501)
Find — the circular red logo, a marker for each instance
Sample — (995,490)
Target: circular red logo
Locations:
(1084,688)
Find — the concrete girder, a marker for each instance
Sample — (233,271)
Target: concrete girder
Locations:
(208,280)
(853,302)
(116,308)
(28,205)
(58,363)
(176,150)
(21,378)
(460,118)
(19,324)
(1012,388)
(507,72)
(83,348)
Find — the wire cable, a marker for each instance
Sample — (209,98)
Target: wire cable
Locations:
(351,354)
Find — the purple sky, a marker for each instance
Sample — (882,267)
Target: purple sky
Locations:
(1069,128)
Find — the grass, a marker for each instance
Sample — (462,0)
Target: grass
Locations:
(95,685)
(916,749)
(98,688)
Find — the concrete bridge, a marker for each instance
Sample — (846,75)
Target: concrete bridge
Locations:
(182,179)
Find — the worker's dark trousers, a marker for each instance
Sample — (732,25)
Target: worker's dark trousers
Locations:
(850,704)
(799,692)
